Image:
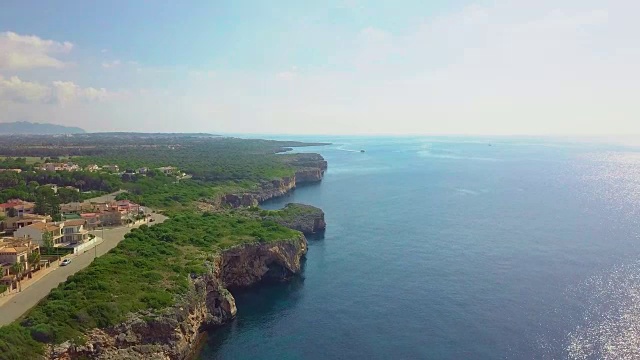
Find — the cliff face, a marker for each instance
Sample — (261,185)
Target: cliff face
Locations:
(304,218)
(175,332)
(310,168)
(268,190)
(309,175)
(248,264)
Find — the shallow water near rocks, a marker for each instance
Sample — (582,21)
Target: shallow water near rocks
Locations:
(451,248)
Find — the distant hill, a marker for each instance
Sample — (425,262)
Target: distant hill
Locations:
(29,128)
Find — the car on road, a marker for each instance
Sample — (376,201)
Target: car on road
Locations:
(152,220)
(65,262)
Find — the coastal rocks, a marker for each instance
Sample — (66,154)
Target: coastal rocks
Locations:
(304,218)
(248,264)
(175,333)
(310,168)
(308,160)
(240,200)
(308,175)
(267,190)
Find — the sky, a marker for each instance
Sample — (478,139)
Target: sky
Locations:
(562,67)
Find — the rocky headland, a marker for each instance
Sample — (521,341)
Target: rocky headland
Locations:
(309,168)
(176,332)
(304,218)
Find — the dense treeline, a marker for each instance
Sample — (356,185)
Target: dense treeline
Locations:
(23,185)
(144,271)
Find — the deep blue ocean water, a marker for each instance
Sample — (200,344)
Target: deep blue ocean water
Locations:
(457,248)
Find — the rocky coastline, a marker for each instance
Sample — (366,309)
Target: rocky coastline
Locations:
(176,332)
(309,168)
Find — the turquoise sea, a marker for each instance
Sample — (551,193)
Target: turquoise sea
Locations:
(457,248)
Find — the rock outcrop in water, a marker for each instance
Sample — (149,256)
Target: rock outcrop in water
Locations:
(176,332)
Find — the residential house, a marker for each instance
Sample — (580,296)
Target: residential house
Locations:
(36,230)
(111,217)
(111,168)
(73,231)
(11,224)
(92,168)
(143,170)
(69,166)
(75,207)
(167,170)
(51,167)
(101,206)
(21,207)
(92,219)
(13,251)
(127,206)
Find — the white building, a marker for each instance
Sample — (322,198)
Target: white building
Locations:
(36,230)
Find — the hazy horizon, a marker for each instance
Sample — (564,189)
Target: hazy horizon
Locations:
(348,67)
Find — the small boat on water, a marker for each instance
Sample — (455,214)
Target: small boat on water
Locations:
(361,151)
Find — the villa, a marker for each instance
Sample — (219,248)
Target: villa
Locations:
(13,251)
(73,231)
(14,223)
(35,232)
(19,206)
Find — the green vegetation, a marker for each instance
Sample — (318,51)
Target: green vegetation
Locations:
(145,271)
(150,268)
(24,185)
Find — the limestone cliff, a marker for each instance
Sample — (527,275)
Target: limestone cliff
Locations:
(304,218)
(308,175)
(308,168)
(175,332)
(267,190)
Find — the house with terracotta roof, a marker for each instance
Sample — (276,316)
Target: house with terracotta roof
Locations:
(13,250)
(12,224)
(92,219)
(21,207)
(73,231)
(128,206)
(36,230)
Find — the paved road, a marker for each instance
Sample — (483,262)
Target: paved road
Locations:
(20,303)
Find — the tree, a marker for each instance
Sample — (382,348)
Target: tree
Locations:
(34,261)
(17,269)
(12,212)
(40,205)
(47,240)
(80,184)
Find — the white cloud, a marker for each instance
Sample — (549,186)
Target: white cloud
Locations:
(19,52)
(531,67)
(65,92)
(15,90)
(111,64)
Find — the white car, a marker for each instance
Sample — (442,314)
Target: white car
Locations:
(65,262)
